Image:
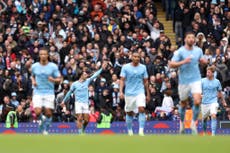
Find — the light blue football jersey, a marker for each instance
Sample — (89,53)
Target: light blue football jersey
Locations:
(210,89)
(190,72)
(134,76)
(41,74)
(80,89)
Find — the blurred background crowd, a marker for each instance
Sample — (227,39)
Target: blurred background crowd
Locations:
(83,33)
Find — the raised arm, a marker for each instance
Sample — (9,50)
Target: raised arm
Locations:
(103,67)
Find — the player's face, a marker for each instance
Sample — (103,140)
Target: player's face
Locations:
(84,75)
(209,74)
(190,40)
(43,54)
(136,58)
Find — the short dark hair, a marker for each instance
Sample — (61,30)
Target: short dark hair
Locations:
(44,48)
(189,33)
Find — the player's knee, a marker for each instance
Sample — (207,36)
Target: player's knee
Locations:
(80,118)
(48,112)
(86,118)
(213,116)
(183,103)
(130,113)
(141,109)
(197,100)
(38,112)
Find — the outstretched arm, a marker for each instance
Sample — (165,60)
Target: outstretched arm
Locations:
(103,67)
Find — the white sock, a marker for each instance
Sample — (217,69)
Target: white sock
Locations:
(141,130)
(130,131)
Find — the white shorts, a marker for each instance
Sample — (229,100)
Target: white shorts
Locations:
(209,109)
(133,102)
(81,108)
(185,90)
(46,101)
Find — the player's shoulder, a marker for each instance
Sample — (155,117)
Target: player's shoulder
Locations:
(204,80)
(51,64)
(179,50)
(196,48)
(35,64)
(142,65)
(75,84)
(127,65)
(216,80)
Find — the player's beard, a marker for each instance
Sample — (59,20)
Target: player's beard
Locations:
(136,62)
(44,61)
(190,43)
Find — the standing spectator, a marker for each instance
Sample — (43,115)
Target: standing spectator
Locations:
(63,114)
(115,96)
(19,85)
(134,77)
(44,75)
(178,18)
(187,59)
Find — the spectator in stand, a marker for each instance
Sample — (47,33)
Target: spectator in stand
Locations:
(63,114)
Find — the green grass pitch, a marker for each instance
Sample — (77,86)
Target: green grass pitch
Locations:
(35,143)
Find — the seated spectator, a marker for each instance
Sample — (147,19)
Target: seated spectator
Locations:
(167,104)
(22,115)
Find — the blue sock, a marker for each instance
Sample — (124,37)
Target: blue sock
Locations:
(182,113)
(129,121)
(41,126)
(47,123)
(196,111)
(205,125)
(141,119)
(80,131)
(213,125)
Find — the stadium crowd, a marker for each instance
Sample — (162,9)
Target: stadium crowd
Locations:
(82,34)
